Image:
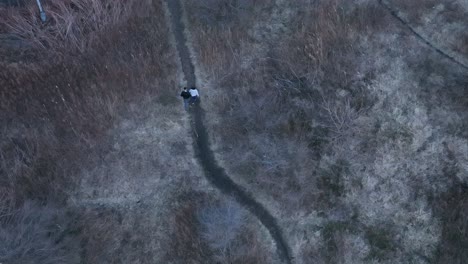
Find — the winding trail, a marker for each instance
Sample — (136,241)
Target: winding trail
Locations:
(213,172)
(420,37)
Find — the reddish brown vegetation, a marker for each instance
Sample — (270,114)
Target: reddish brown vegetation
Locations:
(67,84)
(70,97)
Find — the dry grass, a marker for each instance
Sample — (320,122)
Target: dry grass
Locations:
(328,114)
(186,244)
(222,27)
(210,230)
(73,25)
(79,101)
(441,23)
(36,234)
(333,133)
(104,146)
(97,63)
(274,97)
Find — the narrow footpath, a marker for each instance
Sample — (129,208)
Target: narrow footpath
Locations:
(213,172)
(442,52)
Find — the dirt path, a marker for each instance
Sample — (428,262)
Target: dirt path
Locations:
(213,172)
(420,37)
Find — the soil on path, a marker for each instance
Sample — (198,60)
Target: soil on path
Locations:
(213,172)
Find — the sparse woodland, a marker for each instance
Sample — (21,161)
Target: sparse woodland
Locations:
(347,128)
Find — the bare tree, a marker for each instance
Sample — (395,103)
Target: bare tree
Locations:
(220,225)
(341,116)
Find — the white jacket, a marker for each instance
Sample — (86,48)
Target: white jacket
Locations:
(193,92)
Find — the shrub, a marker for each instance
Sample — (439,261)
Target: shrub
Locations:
(206,229)
(221,225)
(229,233)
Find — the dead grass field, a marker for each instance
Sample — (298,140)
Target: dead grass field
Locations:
(444,23)
(347,127)
(96,158)
(90,123)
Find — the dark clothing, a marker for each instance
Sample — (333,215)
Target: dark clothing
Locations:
(193,99)
(185,94)
(186,104)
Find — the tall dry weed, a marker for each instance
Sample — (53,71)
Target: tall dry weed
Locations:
(79,94)
(73,25)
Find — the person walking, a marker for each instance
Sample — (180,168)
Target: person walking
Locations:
(194,95)
(186,96)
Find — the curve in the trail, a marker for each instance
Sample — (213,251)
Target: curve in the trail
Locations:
(213,172)
(420,37)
